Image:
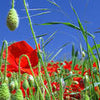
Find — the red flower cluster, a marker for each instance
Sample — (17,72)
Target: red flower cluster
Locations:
(76,86)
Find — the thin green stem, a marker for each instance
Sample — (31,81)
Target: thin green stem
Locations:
(44,55)
(34,36)
(13,3)
(1,56)
(5,70)
(61,90)
(19,75)
(90,65)
(97,51)
(40,76)
(32,74)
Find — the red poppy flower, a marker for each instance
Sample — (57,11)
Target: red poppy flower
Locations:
(8,74)
(55,86)
(67,66)
(80,81)
(15,51)
(94,64)
(76,67)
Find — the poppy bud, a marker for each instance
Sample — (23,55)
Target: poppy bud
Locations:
(4,92)
(83,54)
(12,19)
(87,78)
(31,80)
(63,82)
(12,85)
(18,95)
(6,80)
(25,84)
(16,84)
(75,82)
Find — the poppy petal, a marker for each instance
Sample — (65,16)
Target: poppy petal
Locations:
(15,50)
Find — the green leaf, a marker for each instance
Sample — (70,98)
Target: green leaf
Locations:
(97,32)
(67,24)
(86,97)
(98,46)
(64,23)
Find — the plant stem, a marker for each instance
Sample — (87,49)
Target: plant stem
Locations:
(5,70)
(97,51)
(19,75)
(34,36)
(1,55)
(13,3)
(32,74)
(40,76)
(90,65)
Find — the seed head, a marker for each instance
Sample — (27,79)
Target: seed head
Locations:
(18,95)
(4,92)
(12,19)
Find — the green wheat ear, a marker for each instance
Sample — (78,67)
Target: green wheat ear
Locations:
(4,92)
(18,95)
(12,19)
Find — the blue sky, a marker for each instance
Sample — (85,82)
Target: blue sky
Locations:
(88,10)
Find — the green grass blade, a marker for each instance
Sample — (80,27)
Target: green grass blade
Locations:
(64,23)
(61,91)
(38,14)
(56,54)
(65,44)
(48,42)
(67,24)
(94,47)
(46,12)
(38,9)
(50,37)
(97,32)
(49,55)
(54,3)
(60,49)
(73,51)
(84,33)
(38,36)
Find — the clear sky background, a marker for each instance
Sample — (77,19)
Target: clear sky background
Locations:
(88,11)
